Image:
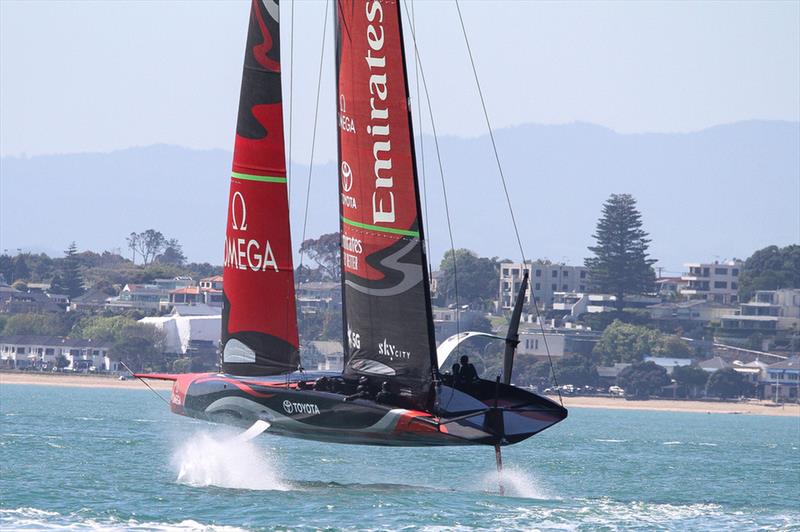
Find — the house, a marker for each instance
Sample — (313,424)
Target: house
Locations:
(139,296)
(211,283)
(435,280)
(576,303)
(783,380)
(699,311)
(449,321)
(669,363)
(608,374)
(558,343)
(184,333)
(42,352)
(13,301)
(768,312)
(91,300)
(333,353)
(713,364)
(713,281)
(318,296)
(545,280)
(669,287)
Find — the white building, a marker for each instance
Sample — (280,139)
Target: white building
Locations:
(182,333)
(713,282)
(545,280)
(41,352)
(577,303)
(769,311)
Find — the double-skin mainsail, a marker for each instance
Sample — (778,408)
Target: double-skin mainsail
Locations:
(259,324)
(386,301)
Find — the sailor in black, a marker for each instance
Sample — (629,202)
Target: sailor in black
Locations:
(467,374)
(385,396)
(362,391)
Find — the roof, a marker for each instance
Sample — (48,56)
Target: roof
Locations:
(611,371)
(327,347)
(749,318)
(789,363)
(713,364)
(669,362)
(200,309)
(44,340)
(92,296)
(213,279)
(186,290)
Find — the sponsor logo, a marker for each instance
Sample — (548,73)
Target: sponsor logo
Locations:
(346,123)
(347,184)
(353,338)
(351,245)
(291,407)
(176,397)
(392,351)
(383,207)
(244,253)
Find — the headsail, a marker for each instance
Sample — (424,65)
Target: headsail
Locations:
(259,325)
(388,323)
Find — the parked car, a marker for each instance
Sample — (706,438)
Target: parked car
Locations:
(616,391)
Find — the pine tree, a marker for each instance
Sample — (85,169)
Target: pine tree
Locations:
(21,270)
(620,265)
(71,275)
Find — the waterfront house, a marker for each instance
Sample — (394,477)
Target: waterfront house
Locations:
(783,380)
(718,281)
(41,352)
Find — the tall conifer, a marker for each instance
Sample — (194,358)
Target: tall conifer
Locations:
(620,265)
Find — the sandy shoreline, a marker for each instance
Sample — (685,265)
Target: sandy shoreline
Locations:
(762,408)
(79,381)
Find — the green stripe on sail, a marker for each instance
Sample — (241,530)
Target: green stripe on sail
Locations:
(264,178)
(392,230)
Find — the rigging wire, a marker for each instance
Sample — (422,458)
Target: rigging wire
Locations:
(421,166)
(291,104)
(145,383)
(314,132)
(505,189)
(441,171)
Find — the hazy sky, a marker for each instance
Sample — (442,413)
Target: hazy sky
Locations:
(97,76)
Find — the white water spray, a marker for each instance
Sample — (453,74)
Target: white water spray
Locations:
(516,483)
(223,460)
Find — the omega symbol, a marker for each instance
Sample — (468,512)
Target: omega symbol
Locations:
(243,225)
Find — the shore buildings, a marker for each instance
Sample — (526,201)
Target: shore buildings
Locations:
(545,280)
(717,281)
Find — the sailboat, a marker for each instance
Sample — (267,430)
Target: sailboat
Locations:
(391,391)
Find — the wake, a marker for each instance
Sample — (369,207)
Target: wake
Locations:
(224,460)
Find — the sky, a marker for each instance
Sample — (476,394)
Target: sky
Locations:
(100,76)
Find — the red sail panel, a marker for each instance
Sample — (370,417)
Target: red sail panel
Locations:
(259,325)
(389,330)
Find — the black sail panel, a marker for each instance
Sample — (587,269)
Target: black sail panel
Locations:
(388,323)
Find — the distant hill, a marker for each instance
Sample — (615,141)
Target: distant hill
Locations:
(718,193)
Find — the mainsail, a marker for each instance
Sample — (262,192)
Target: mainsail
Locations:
(387,316)
(259,325)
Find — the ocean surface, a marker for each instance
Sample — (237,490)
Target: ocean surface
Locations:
(88,459)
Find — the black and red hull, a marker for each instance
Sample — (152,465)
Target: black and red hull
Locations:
(488,414)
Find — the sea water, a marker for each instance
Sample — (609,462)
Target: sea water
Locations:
(87,459)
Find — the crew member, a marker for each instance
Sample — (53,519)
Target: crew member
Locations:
(467,373)
(385,396)
(362,391)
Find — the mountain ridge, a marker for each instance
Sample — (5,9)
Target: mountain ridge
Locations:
(719,192)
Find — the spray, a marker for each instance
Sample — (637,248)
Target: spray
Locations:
(223,460)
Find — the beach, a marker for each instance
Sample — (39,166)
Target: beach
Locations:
(750,407)
(78,380)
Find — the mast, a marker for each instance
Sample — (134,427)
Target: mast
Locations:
(386,301)
(259,322)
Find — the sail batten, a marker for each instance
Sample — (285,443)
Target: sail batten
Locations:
(388,324)
(259,325)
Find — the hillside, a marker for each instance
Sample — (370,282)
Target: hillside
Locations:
(717,193)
